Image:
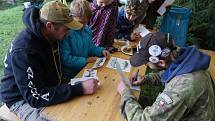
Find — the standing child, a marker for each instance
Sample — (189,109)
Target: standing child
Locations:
(129,18)
(103,22)
(77,49)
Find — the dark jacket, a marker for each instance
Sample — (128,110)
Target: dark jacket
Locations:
(32,68)
(124,27)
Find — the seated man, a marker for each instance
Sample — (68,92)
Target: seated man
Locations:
(32,72)
(188,93)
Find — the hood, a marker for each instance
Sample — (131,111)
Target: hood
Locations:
(190,60)
(31,20)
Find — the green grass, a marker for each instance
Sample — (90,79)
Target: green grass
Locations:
(10,25)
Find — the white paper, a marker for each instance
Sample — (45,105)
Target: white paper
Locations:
(27,4)
(99,62)
(124,64)
(162,8)
(124,78)
(167,3)
(143,31)
(123,1)
(90,73)
(79,80)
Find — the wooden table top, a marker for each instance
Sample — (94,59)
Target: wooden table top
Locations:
(212,63)
(104,104)
(101,106)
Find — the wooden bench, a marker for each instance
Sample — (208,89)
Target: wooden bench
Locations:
(5,114)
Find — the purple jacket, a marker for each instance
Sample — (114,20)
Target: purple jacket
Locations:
(103,23)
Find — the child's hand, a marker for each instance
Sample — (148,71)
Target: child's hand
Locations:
(151,1)
(106,53)
(135,36)
(91,59)
(136,80)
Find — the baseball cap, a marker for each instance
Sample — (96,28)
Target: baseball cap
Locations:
(58,12)
(136,7)
(152,48)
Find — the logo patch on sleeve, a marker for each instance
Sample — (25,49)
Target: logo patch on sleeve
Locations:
(166,98)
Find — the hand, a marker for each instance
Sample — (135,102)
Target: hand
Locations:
(136,79)
(90,86)
(121,87)
(106,53)
(91,59)
(151,1)
(135,36)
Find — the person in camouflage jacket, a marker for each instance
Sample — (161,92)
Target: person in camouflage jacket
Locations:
(188,93)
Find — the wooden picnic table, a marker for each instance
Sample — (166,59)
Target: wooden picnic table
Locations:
(101,106)
(104,104)
(212,63)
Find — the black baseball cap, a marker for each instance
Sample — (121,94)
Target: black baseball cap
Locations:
(153,44)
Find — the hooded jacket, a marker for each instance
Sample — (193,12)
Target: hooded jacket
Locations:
(188,93)
(124,27)
(75,49)
(190,60)
(32,68)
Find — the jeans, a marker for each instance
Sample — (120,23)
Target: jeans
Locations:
(26,113)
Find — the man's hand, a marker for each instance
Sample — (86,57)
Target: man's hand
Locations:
(90,86)
(91,59)
(136,79)
(106,53)
(151,1)
(121,87)
(135,36)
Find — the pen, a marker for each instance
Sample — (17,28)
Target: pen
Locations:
(135,78)
(137,74)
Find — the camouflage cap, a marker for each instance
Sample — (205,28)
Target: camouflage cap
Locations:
(136,7)
(152,47)
(58,12)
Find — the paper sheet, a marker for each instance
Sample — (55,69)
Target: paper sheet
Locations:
(162,8)
(99,62)
(124,78)
(124,64)
(143,31)
(90,73)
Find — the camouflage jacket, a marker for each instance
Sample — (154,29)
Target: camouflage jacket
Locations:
(188,97)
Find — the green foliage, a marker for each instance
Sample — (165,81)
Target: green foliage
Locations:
(149,93)
(202,26)
(10,25)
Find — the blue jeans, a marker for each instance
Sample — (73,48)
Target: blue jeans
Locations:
(26,113)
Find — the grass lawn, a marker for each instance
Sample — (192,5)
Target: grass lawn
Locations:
(10,25)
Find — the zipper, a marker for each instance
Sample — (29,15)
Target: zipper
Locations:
(58,73)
